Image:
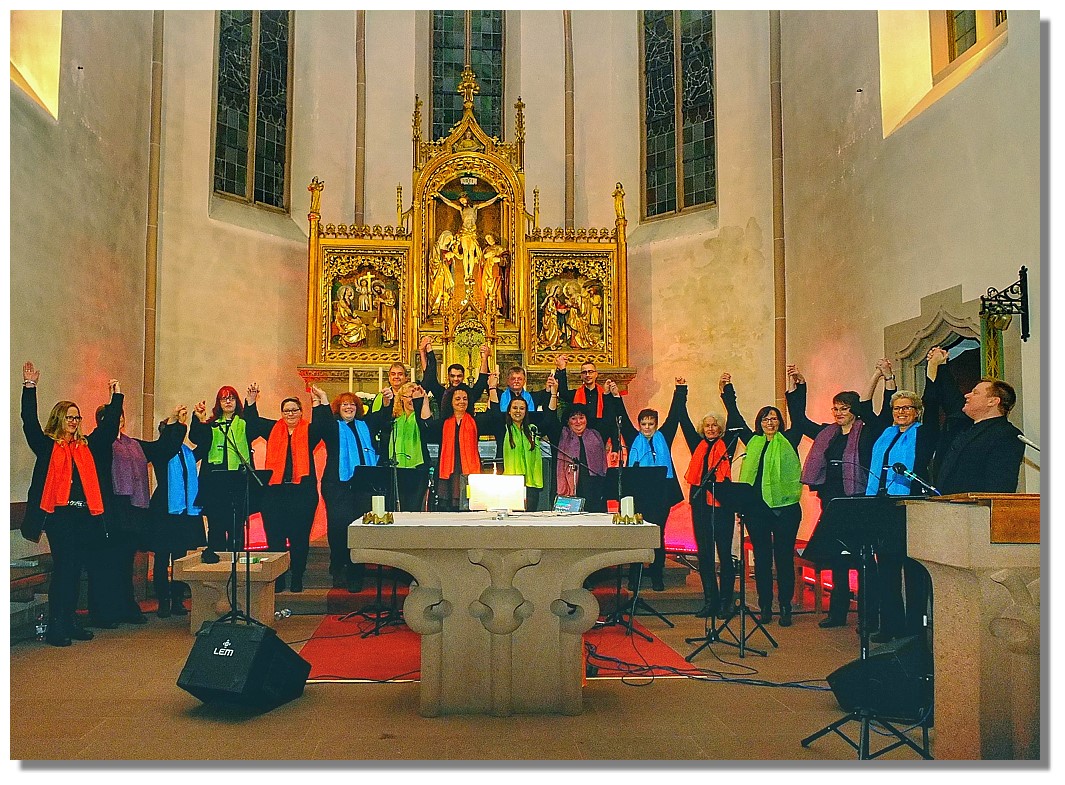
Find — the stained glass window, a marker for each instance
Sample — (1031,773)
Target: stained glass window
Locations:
(485,49)
(678,49)
(254,54)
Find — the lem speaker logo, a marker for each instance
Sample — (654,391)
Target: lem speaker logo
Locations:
(224,650)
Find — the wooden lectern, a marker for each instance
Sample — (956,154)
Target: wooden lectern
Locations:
(982,551)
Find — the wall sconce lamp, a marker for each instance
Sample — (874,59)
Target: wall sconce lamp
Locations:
(998,307)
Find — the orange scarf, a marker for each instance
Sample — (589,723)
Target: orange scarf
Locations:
(471,457)
(581,397)
(694,475)
(65,455)
(277,448)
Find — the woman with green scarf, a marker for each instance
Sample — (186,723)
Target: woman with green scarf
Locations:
(772,517)
(518,432)
(404,445)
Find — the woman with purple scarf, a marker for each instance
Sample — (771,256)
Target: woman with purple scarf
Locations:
(836,466)
(580,469)
(126,500)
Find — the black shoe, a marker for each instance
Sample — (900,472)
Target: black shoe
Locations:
(279,584)
(657,583)
(705,612)
(134,618)
(765,615)
(832,621)
(177,607)
(56,639)
(80,633)
(726,610)
(785,616)
(882,637)
(209,557)
(164,608)
(102,624)
(296,585)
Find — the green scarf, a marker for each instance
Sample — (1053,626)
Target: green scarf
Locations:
(238,436)
(522,458)
(406,441)
(780,476)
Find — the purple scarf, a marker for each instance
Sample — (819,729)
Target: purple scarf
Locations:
(129,471)
(570,445)
(815,468)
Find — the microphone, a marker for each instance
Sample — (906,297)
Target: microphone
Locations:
(1028,441)
(900,468)
(534,431)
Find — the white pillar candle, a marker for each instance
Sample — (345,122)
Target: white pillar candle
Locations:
(351,379)
(379,506)
(380,378)
(627,509)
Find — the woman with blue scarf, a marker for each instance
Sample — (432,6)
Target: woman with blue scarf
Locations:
(911,441)
(349,440)
(649,446)
(176,521)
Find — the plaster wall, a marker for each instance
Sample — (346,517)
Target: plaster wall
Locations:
(78,213)
(874,224)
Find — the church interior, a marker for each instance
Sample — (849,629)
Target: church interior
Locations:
(667,194)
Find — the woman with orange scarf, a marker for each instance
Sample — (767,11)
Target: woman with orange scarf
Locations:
(290,497)
(64,498)
(459,457)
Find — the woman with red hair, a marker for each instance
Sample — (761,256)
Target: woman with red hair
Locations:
(65,498)
(290,497)
(349,438)
(224,483)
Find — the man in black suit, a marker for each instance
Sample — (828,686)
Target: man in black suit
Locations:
(984,455)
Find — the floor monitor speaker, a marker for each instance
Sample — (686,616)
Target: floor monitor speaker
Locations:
(244,665)
(894,681)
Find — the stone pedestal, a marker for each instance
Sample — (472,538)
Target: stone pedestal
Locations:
(500,604)
(210,585)
(983,553)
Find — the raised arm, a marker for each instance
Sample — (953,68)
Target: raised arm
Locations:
(483,379)
(795,398)
(733,418)
(107,430)
(628,430)
(31,423)
(678,412)
(430,375)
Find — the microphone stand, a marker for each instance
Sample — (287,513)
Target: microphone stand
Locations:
(235,614)
(386,617)
(714,634)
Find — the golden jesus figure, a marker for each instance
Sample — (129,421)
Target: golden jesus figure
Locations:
(467,235)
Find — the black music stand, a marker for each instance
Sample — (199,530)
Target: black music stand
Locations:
(647,486)
(739,496)
(862,525)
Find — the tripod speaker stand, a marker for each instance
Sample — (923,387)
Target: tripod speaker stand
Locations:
(864,524)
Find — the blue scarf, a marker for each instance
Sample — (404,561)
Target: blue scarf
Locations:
(904,451)
(653,452)
(350,457)
(182,484)
(505,398)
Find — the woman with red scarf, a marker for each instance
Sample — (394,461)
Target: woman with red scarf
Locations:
(290,497)
(459,456)
(227,495)
(713,520)
(64,498)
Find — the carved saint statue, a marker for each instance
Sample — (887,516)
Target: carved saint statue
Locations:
(493,258)
(348,327)
(441,279)
(387,314)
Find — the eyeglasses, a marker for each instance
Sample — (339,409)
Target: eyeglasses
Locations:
(770,418)
(226,398)
(69,418)
(840,409)
(291,411)
(903,408)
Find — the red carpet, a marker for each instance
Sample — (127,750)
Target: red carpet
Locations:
(337,650)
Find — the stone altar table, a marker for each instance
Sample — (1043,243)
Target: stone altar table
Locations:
(500,604)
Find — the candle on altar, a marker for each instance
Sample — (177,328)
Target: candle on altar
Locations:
(627,507)
(351,379)
(378,506)
(381,378)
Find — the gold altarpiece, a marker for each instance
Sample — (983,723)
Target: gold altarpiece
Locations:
(467,264)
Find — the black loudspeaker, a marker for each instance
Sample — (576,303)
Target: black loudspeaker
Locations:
(894,682)
(243,665)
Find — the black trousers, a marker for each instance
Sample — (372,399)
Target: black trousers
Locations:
(226,508)
(165,587)
(773,533)
(288,514)
(714,527)
(75,538)
(343,504)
